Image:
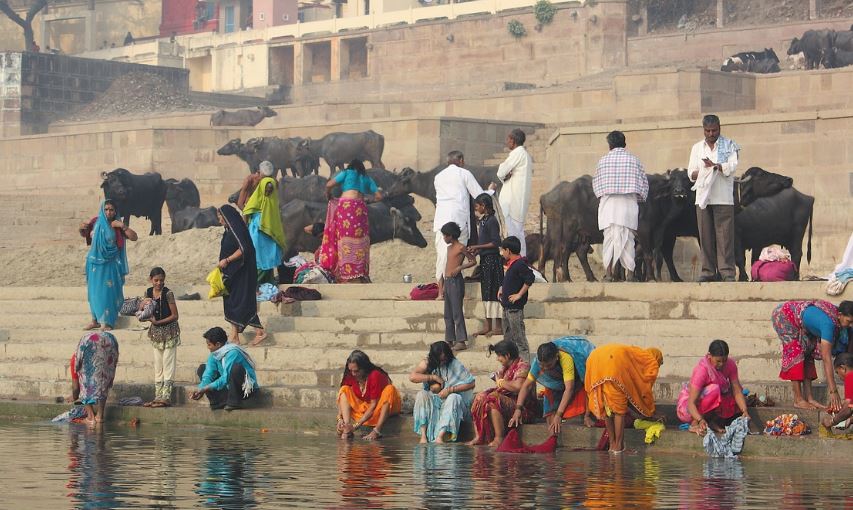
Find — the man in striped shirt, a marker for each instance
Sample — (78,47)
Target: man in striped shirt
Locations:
(619,183)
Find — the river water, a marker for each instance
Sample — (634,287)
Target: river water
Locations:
(71,466)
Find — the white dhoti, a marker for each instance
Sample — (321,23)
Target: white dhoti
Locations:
(441,251)
(516,228)
(617,218)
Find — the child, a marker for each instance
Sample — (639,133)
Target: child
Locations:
(165,336)
(491,268)
(518,277)
(844,368)
(454,287)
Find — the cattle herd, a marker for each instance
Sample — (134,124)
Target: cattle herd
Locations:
(815,48)
(768,209)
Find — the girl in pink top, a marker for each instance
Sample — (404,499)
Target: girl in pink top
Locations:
(714,394)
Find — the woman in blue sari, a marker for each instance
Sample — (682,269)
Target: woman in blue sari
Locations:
(106,265)
(448,391)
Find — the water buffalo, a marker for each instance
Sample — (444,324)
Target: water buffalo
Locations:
(281,152)
(815,46)
(386,223)
(193,217)
(180,195)
(338,149)
(752,61)
(423,183)
(841,58)
(241,117)
(757,182)
(778,219)
(137,195)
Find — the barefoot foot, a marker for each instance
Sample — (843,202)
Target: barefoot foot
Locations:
(259,339)
(816,404)
(423,440)
(802,404)
(92,325)
(496,442)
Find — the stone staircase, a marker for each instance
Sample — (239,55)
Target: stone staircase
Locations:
(302,364)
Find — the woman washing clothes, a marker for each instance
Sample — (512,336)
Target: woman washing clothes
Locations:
(95,364)
(106,265)
(366,397)
(714,395)
(345,251)
(264,221)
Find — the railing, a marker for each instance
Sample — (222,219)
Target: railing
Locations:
(202,41)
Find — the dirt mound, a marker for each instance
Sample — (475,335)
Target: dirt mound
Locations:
(137,93)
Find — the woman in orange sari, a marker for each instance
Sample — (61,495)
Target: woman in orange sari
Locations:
(366,397)
(618,376)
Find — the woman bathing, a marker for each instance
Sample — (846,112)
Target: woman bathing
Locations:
(366,397)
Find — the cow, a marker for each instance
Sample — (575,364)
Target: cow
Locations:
(841,58)
(386,223)
(815,46)
(752,61)
(757,182)
(241,117)
(423,183)
(310,189)
(193,217)
(778,219)
(281,152)
(338,149)
(180,195)
(136,195)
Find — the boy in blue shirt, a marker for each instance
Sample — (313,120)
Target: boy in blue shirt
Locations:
(228,378)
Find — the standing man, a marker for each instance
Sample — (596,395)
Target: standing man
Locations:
(516,173)
(619,183)
(453,186)
(712,166)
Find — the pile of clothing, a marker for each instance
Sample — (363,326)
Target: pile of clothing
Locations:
(774,265)
(786,425)
(312,273)
(843,272)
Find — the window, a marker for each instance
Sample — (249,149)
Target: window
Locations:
(229,19)
(261,16)
(208,10)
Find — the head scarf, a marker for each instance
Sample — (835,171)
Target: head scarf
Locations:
(259,202)
(266,168)
(105,248)
(657,354)
(234,223)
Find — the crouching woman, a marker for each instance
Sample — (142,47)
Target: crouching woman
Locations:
(366,397)
(228,378)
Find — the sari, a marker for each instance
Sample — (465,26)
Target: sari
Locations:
(240,276)
(444,415)
(377,387)
(265,229)
(106,267)
(578,348)
(799,347)
(95,366)
(619,375)
(500,399)
(715,390)
(345,251)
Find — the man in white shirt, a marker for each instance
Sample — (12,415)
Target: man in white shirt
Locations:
(516,173)
(453,186)
(712,166)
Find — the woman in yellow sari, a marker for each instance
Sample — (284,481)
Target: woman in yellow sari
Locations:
(366,397)
(619,375)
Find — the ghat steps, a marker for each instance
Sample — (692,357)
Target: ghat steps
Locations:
(301,364)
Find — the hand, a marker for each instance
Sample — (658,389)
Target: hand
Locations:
(506,178)
(834,402)
(708,162)
(444,393)
(515,421)
(500,293)
(493,186)
(223,263)
(745,414)
(437,379)
(117,224)
(197,394)
(514,297)
(555,426)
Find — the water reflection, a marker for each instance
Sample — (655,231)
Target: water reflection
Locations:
(228,474)
(445,472)
(366,474)
(90,465)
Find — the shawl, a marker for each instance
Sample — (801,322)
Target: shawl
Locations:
(510,373)
(454,373)
(633,370)
(793,311)
(219,354)
(235,225)
(267,205)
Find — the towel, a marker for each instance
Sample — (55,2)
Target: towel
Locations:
(702,187)
(512,444)
(730,443)
(653,429)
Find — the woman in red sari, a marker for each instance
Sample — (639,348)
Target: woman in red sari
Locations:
(494,407)
(345,251)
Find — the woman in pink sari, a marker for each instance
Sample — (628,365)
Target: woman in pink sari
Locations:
(345,251)
(714,395)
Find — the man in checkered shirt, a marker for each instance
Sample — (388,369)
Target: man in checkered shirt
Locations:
(619,183)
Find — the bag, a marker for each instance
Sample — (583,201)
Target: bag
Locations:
(130,306)
(302,294)
(773,271)
(217,285)
(424,292)
(147,311)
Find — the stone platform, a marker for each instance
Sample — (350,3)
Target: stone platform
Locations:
(301,365)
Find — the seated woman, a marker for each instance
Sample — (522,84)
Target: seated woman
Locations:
(714,394)
(811,330)
(366,397)
(228,378)
(95,365)
(619,375)
(494,407)
(446,398)
(559,366)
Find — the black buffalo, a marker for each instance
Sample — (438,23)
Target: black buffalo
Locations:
(757,182)
(281,152)
(815,46)
(180,195)
(241,117)
(752,61)
(136,195)
(841,58)
(338,149)
(386,223)
(778,219)
(423,183)
(193,217)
